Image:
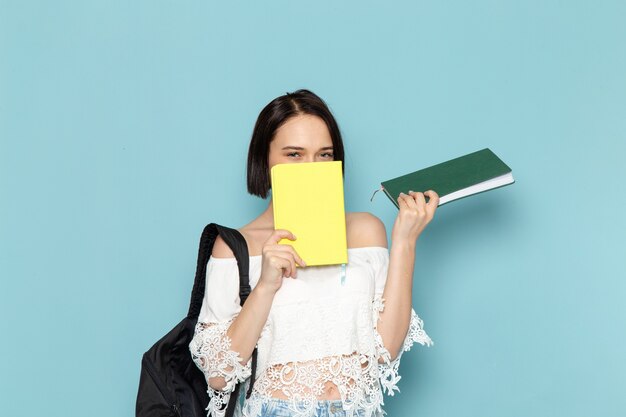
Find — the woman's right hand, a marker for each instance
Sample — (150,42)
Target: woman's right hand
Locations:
(278,261)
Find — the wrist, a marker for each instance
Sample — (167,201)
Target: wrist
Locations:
(403,244)
(264,290)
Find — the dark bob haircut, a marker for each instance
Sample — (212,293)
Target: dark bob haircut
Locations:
(273,116)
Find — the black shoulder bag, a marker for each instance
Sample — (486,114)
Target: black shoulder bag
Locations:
(170,384)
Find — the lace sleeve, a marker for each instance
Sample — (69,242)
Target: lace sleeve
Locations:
(211,352)
(388,370)
(210,346)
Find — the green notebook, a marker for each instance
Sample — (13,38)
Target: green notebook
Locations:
(454,179)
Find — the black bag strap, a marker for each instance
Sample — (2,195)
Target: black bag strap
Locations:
(238,245)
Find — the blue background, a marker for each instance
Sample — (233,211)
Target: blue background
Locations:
(124,129)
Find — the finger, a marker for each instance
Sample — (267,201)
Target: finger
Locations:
(420,201)
(294,270)
(290,268)
(298,258)
(291,250)
(433,196)
(291,256)
(280,263)
(287,262)
(279,234)
(410,201)
(433,203)
(402,201)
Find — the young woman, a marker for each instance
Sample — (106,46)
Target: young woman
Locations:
(326,346)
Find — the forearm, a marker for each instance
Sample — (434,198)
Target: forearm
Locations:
(246,329)
(395,318)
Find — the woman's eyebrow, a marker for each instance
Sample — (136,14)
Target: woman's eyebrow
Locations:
(300,148)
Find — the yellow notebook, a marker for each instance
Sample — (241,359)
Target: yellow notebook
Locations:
(308,201)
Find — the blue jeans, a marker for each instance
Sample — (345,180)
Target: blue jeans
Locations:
(326,408)
(276,407)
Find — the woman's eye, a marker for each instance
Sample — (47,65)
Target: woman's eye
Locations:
(327,155)
(294,154)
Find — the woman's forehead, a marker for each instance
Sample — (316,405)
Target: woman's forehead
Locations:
(303,131)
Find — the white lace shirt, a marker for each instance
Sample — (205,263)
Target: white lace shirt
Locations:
(321,329)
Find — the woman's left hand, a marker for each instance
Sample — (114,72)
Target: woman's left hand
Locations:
(414,215)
